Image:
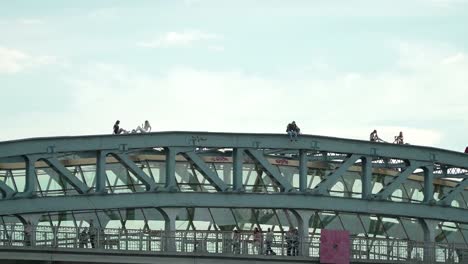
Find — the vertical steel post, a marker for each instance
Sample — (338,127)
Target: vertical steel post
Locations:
(366,178)
(101,171)
(171,154)
(238,160)
(303,170)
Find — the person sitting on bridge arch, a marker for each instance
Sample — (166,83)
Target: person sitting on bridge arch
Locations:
(117,129)
(374,137)
(293,130)
(144,128)
(399,139)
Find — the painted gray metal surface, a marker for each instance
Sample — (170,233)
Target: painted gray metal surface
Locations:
(231,200)
(228,140)
(75,256)
(251,145)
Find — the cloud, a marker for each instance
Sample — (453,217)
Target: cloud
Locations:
(216,48)
(192,2)
(30,21)
(414,136)
(459,57)
(178,39)
(14,61)
(418,96)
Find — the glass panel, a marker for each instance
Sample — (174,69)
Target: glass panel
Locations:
(398,194)
(349,179)
(451,232)
(202,218)
(224,171)
(89,174)
(286,219)
(393,228)
(377,182)
(338,189)
(245,218)
(352,223)
(330,221)
(158,171)
(291,174)
(413,229)
(223,218)
(266,218)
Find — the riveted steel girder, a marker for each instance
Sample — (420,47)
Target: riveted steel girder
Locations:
(231,200)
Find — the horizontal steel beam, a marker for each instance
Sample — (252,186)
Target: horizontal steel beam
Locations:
(231,200)
(30,255)
(229,140)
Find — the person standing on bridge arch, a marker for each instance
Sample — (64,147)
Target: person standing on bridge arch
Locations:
(293,130)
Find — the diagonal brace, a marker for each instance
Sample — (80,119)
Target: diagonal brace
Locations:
(397,181)
(58,167)
(323,187)
(450,196)
(270,170)
(139,173)
(6,190)
(206,171)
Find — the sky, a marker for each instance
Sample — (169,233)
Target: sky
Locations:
(338,68)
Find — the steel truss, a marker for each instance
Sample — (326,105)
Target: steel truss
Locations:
(218,170)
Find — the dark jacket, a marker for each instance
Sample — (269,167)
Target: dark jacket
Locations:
(292,127)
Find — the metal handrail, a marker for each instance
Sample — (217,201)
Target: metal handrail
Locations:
(225,243)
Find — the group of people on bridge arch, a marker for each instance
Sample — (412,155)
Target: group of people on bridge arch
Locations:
(292,130)
(375,138)
(144,128)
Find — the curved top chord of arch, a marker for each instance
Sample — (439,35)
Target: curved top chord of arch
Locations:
(219,170)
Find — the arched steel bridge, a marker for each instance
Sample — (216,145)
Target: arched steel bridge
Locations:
(311,179)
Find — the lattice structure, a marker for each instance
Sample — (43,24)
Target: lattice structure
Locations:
(218,181)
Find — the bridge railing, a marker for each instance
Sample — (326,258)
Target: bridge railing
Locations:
(226,243)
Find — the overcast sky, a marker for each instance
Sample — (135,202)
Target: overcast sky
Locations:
(338,68)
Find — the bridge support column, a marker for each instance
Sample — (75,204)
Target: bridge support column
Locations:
(238,159)
(303,170)
(171,154)
(303,219)
(170,229)
(30,223)
(30,179)
(429,227)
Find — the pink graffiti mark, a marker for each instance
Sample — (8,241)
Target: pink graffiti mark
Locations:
(334,247)
(219,159)
(282,161)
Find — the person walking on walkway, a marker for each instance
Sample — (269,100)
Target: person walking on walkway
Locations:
(236,242)
(84,238)
(257,241)
(289,241)
(269,238)
(92,232)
